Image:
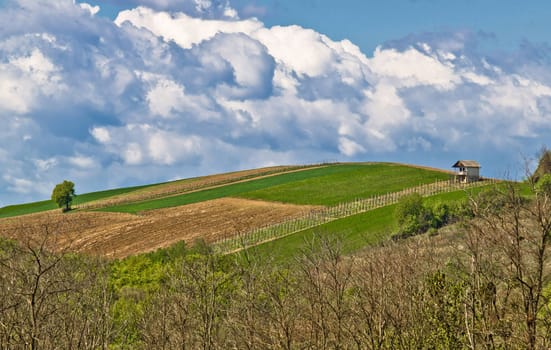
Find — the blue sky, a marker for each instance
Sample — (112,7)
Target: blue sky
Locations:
(370,23)
(124,92)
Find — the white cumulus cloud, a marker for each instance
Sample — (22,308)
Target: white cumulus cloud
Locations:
(412,67)
(185,30)
(182,88)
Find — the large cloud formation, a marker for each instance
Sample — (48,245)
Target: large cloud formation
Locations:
(163,93)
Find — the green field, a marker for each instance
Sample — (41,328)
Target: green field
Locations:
(321,186)
(354,181)
(27,208)
(354,232)
(36,207)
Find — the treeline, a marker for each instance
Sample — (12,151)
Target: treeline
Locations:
(480,287)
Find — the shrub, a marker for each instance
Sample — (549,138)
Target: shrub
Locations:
(412,216)
(440,215)
(409,206)
(543,185)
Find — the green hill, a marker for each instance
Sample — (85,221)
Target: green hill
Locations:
(354,199)
(325,185)
(36,207)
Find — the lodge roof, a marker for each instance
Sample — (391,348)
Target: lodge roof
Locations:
(466,164)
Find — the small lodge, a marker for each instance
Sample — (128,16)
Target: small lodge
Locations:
(467,171)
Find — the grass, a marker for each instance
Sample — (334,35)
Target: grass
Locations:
(225,191)
(28,208)
(345,181)
(36,207)
(355,181)
(354,232)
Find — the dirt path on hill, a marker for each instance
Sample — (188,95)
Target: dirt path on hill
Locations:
(118,235)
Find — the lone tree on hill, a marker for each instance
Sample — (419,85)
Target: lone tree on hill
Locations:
(63,194)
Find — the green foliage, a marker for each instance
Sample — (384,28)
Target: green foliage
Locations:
(137,272)
(460,209)
(201,246)
(63,194)
(409,206)
(490,200)
(147,271)
(412,225)
(133,281)
(7,246)
(412,216)
(444,304)
(441,213)
(127,312)
(543,185)
(169,254)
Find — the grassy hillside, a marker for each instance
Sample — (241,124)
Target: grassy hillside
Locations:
(355,232)
(136,193)
(27,208)
(291,200)
(321,186)
(309,186)
(36,207)
(347,182)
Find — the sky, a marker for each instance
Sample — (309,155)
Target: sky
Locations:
(125,92)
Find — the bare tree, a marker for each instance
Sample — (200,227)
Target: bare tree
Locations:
(326,277)
(50,296)
(266,308)
(508,248)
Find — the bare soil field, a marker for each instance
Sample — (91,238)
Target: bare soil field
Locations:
(117,235)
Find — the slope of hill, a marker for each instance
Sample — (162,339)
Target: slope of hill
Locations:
(325,185)
(37,207)
(139,193)
(225,206)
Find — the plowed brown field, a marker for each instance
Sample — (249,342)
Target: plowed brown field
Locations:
(118,235)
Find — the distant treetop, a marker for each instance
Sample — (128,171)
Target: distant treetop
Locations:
(63,194)
(544,165)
